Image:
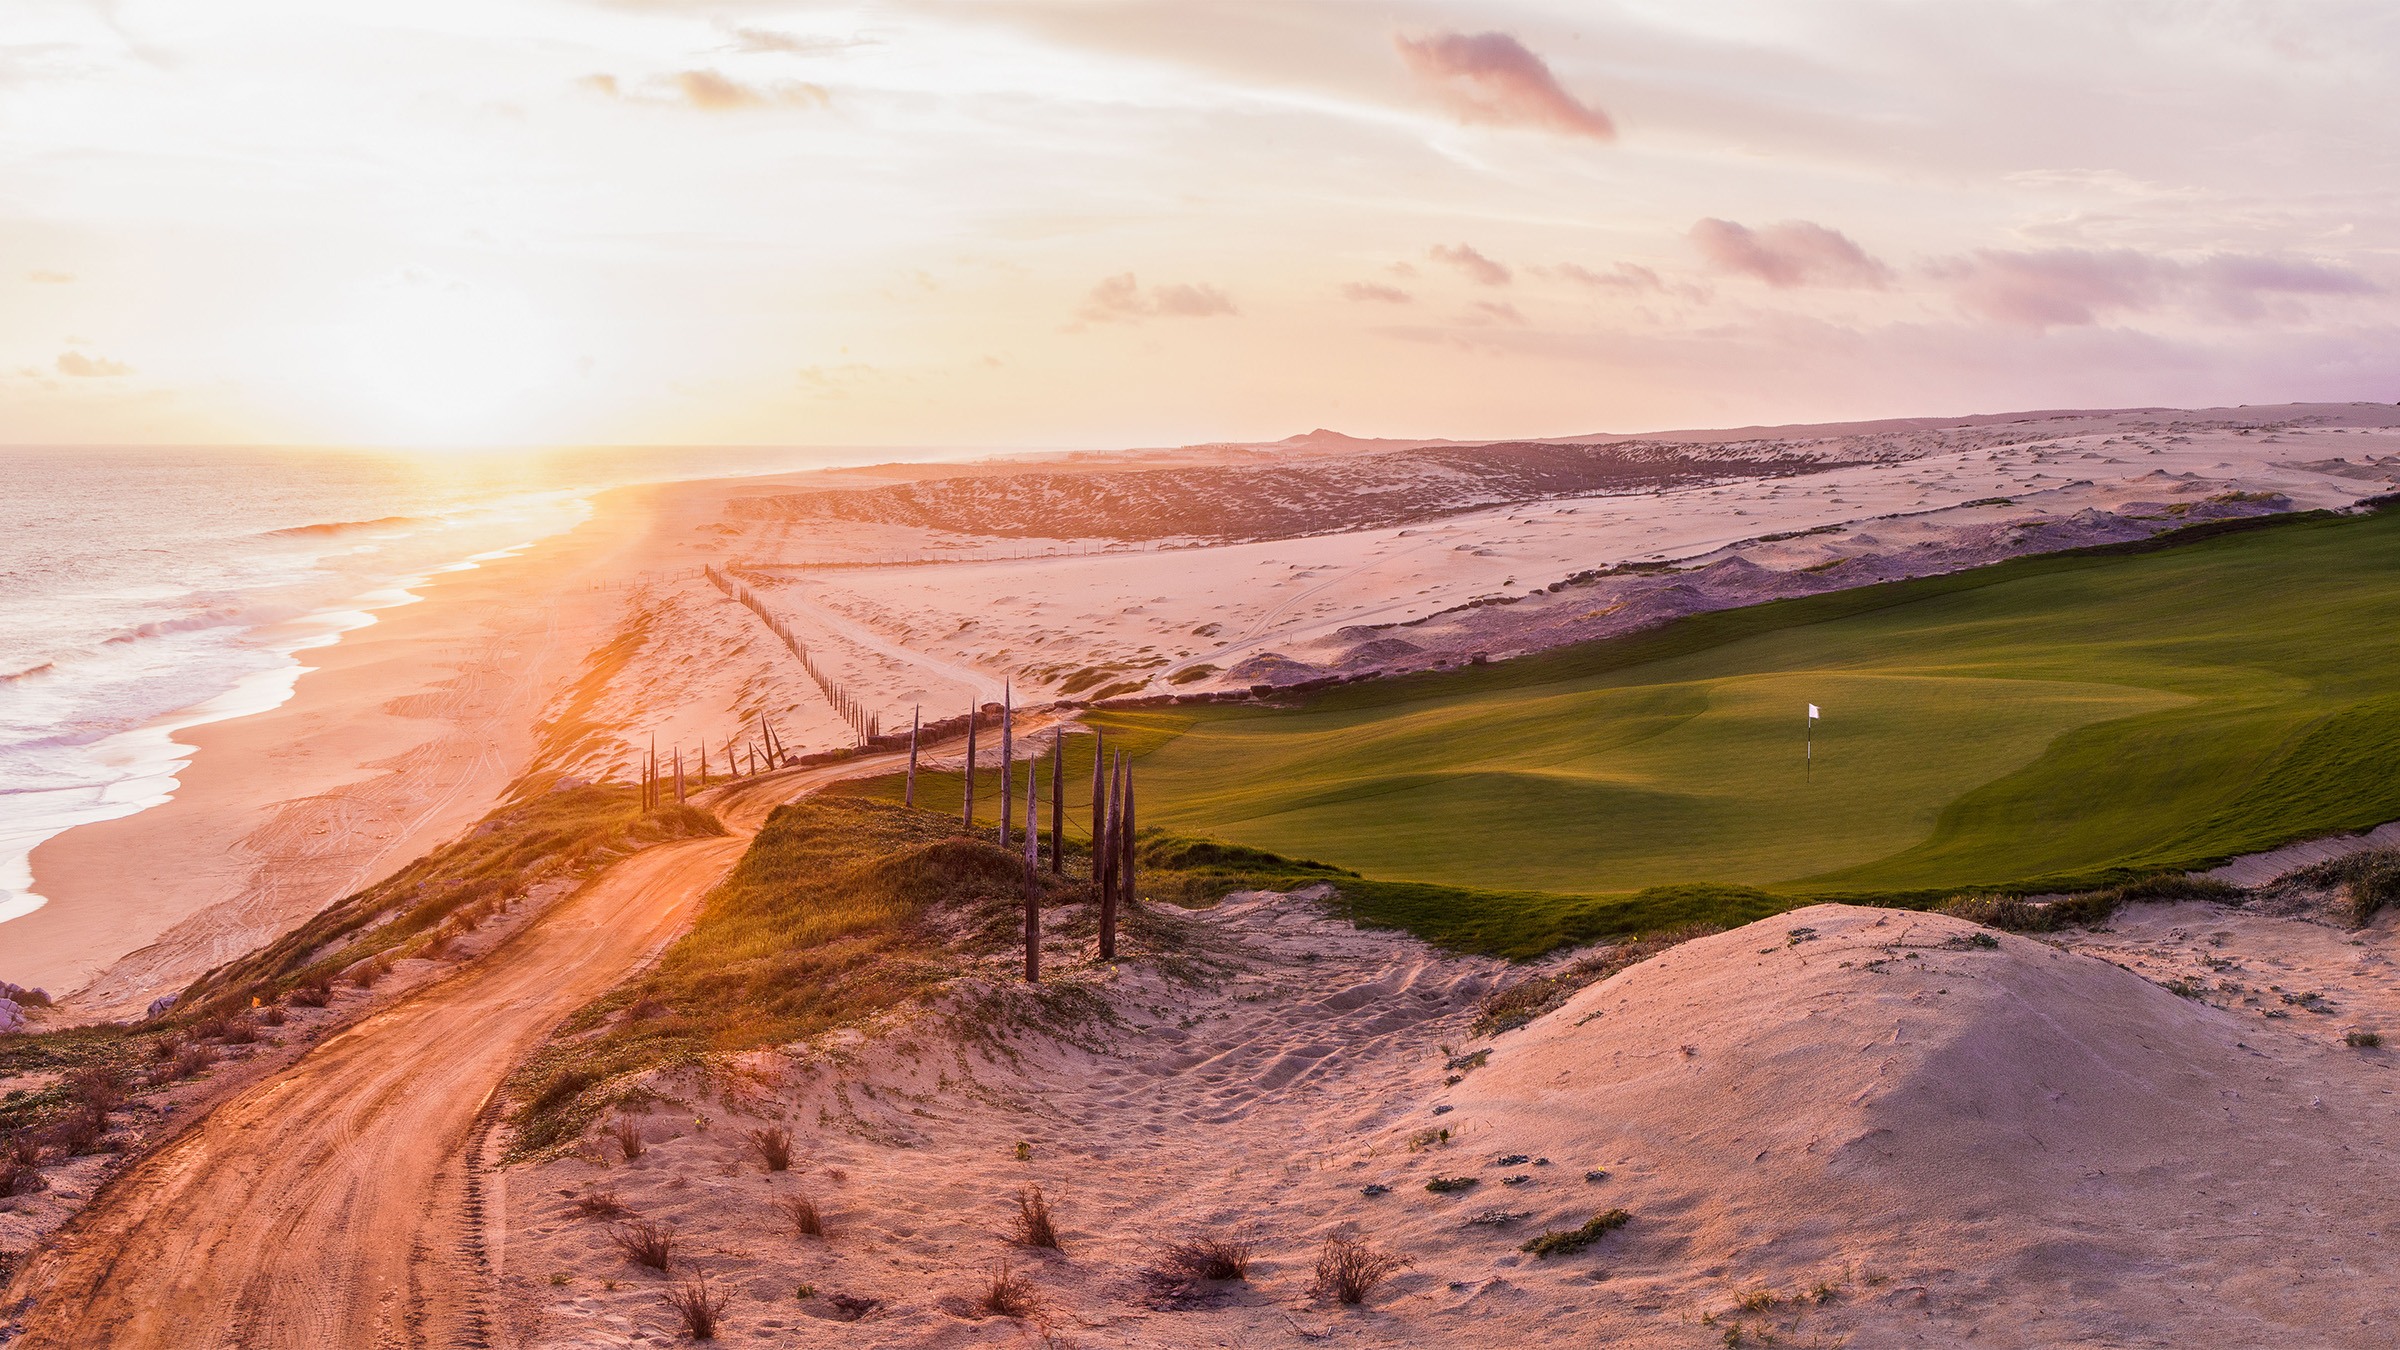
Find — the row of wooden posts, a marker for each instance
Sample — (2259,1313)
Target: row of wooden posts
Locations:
(741,761)
(1113,822)
(866,723)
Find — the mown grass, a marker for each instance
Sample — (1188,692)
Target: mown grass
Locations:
(840,909)
(2061,722)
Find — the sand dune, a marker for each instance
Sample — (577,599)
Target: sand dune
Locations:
(1874,1128)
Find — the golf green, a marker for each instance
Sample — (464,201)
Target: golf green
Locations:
(2067,717)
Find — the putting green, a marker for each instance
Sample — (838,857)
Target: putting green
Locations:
(2060,717)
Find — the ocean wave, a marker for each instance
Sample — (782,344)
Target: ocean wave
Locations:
(339,526)
(28,671)
(216,617)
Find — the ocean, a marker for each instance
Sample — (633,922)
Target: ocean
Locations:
(144,590)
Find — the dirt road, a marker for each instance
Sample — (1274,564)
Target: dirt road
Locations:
(334,1205)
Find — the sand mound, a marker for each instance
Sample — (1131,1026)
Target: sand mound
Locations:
(1845,1090)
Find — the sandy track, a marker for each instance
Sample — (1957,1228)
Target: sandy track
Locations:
(338,1203)
(325,1207)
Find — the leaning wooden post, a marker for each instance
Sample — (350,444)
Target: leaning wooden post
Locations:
(915,719)
(1099,803)
(1033,923)
(969,813)
(1058,803)
(1008,764)
(679,775)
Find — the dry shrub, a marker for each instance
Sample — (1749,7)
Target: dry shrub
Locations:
(2372,877)
(241,1031)
(22,1148)
(1032,1225)
(16,1176)
(210,1028)
(98,1087)
(600,1205)
(1567,1241)
(773,1146)
(645,1008)
(194,1059)
(164,1047)
(1008,1294)
(626,1133)
(801,1213)
(271,1015)
(1348,1269)
(314,994)
(700,1307)
(77,1131)
(645,1242)
(1206,1256)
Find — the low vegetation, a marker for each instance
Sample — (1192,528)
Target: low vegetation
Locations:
(1007,1293)
(1567,1241)
(1033,1225)
(801,1213)
(841,909)
(2371,879)
(698,1305)
(645,1242)
(1348,1269)
(423,909)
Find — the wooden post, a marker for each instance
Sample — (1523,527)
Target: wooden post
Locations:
(1058,804)
(1033,927)
(679,775)
(915,719)
(1008,764)
(1099,802)
(969,813)
(1104,866)
(1033,837)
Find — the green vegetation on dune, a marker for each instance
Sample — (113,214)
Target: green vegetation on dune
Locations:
(2078,717)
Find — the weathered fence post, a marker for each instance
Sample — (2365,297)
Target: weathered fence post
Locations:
(1058,803)
(969,813)
(1105,861)
(1008,768)
(915,719)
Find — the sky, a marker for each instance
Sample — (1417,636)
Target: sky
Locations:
(1028,223)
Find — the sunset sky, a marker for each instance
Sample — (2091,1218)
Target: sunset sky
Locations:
(512,221)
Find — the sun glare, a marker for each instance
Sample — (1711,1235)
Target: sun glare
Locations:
(435,360)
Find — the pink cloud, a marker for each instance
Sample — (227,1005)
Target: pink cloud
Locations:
(1494,311)
(1621,277)
(1478,268)
(1368,290)
(1119,299)
(1490,78)
(2067,287)
(1792,253)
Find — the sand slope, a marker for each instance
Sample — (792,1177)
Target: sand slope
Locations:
(1885,1132)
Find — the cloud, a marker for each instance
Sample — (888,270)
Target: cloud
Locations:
(712,92)
(1621,277)
(1477,267)
(1368,290)
(48,277)
(1494,311)
(92,367)
(1119,299)
(2068,287)
(1490,78)
(1793,253)
(756,40)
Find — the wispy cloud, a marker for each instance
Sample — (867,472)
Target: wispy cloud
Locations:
(2066,287)
(48,277)
(1120,299)
(763,40)
(1478,268)
(1369,290)
(1621,277)
(1792,253)
(1490,78)
(711,91)
(90,367)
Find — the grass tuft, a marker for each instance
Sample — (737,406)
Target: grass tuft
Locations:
(600,1205)
(1006,1293)
(1348,1269)
(645,1242)
(699,1306)
(773,1145)
(802,1214)
(1032,1225)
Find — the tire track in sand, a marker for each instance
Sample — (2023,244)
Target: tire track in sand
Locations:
(334,1204)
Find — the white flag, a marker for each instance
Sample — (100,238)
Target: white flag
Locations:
(1813,714)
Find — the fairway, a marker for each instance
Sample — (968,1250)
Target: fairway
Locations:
(2050,718)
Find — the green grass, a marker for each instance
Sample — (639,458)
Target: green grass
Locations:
(2071,718)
